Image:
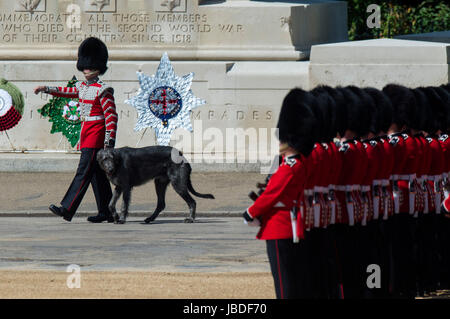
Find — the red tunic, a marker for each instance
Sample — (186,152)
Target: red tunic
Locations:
(361,166)
(372,173)
(435,173)
(284,191)
(387,203)
(397,142)
(350,156)
(336,164)
(314,175)
(323,158)
(445,144)
(408,172)
(388,159)
(422,168)
(331,180)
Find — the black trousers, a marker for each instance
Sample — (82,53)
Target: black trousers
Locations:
(404,255)
(88,173)
(289,267)
(348,260)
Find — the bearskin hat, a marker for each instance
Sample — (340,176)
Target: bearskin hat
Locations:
(357,109)
(326,106)
(92,55)
(446,87)
(403,104)
(424,119)
(383,106)
(441,108)
(297,125)
(339,110)
(375,109)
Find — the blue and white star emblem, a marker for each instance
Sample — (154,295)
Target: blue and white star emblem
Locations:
(164,101)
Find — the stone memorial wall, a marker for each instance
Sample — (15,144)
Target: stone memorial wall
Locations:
(246,55)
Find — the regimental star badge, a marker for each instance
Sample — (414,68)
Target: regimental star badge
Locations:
(64,113)
(164,101)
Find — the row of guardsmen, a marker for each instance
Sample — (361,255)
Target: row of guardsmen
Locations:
(358,206)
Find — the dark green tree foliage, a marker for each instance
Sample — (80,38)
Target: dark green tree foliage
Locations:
(398,17)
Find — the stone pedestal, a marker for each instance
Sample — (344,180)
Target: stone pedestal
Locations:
(379,62)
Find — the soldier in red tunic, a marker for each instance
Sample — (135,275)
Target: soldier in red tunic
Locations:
(370,241)
(98,130)
(405,165)
(381,190)
(278,206)
(323,251)
(443,213)
(347,194)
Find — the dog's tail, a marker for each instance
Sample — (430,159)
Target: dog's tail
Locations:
(192,190)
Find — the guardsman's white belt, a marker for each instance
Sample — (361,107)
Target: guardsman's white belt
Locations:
(92,118)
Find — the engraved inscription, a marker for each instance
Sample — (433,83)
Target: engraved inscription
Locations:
(239,115)
(99,18)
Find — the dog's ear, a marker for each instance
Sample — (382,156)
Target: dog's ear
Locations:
(117,159)
(100,155)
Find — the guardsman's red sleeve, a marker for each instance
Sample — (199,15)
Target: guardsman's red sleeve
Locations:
(109,110)
(274,193)
(62,91)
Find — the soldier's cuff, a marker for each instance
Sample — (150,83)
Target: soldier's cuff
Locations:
(51,89)
(247,216)
(109,141)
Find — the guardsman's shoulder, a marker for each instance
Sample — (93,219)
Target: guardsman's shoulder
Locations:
(429,139)
(344,147)
(78,84)
(443,137)
(393,140)
(405,136)
(104,87)
(373,143)
(291,161)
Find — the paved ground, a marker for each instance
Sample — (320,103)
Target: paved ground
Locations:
(209,245)
(217,242)
(31,193)
(216,257)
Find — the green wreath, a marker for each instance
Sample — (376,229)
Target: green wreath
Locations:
(65,116)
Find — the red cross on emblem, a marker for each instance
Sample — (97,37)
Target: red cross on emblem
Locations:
(164,101)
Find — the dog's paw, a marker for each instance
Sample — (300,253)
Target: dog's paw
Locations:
(188,220)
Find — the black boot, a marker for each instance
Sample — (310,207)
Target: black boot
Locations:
(61,211)
(101,217)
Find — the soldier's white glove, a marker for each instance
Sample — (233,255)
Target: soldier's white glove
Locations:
(250,221)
